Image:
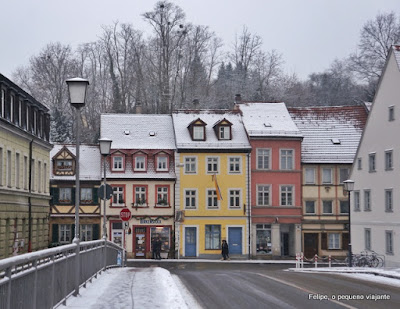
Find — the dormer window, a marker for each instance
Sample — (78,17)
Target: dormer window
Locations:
(162,163)
(64,163)
(197,130)
(140,162)
(117,163)
(223,129)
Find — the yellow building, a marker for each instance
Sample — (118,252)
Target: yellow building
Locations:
(211,191)
(24,169)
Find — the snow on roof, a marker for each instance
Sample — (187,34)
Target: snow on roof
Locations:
(89,162)
(331,134)
(268,119)
(136,131)
(182,119)
(396,51)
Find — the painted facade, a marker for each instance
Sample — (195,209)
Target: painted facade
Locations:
(331,137)
(275,179)
(24,168)
(375,212)
(141,171)
(212,183)
(63,191)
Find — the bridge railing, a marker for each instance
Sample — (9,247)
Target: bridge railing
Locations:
(44,279)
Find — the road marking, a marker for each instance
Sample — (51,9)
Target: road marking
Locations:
(305,290)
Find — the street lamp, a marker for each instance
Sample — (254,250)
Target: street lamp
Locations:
(105,146)
(349,186)
(77,96)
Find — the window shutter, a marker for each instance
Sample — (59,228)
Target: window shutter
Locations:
(55,193)
(95,196)
(72,232)
(72,196)
(324,241)
(345,241)
(96,231)
(54,239)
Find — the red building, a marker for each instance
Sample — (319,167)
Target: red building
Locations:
(276,201)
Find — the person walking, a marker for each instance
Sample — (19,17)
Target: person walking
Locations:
(157,248)
(225,250)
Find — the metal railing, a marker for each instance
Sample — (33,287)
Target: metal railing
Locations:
(45,278)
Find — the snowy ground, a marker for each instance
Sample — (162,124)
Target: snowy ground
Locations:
(155,287)
(132,287)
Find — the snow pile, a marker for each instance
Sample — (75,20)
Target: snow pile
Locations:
(152,287)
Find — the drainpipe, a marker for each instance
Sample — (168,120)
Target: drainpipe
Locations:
(248,202)
(29,199)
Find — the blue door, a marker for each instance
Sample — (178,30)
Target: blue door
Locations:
(190,241)
(235,240)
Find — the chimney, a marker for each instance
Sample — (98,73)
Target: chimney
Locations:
(196,103)
(238,100)
(138,107)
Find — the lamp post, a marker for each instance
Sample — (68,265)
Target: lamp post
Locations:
(105,146)
(77,96)
(349,186)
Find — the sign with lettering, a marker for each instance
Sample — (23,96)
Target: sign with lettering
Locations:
(150,221)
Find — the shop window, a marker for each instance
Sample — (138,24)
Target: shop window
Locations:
(213,237)
(165,235)
(263,239)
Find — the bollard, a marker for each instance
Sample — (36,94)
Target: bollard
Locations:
(330,260)
(315,260)
(297,260)
(301,259)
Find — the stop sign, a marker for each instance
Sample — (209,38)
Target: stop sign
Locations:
(125,214)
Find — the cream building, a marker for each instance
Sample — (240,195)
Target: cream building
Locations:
(24,171)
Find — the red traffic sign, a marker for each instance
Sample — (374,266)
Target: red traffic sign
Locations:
(125,214)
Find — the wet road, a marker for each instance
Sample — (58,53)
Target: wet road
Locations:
(253,286)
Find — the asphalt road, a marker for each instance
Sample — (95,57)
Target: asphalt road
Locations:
(244,286)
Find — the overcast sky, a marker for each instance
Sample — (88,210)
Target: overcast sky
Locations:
(309,34)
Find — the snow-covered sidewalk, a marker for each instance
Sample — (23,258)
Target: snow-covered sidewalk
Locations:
(130,287)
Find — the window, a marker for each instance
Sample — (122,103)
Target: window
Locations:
(20,113)
(391,113)
(263,238)
(286,195)
(263,195)
(17,170)
(343,174)
(27,117)
(327,176)
(213,237)
(356,201)
(118,163)
(86,232)
(310,207)
(234,165)
(162,163)
(224,132)
(39,182)
(162,196)
(11,108)
(190,199)
(367,238)
(118,196)
(344,207)
(263,159)
(1,166)
(140,195)
(372,162)
(212,199)
(9,169)
(389,242)
(286,159)
(333,241)
(327,207)
(367,200)
(25,172)
(86,196)
(64,165)
(140,163)
(389,160)
(212,165)
(198,133)
(389,200)
(190,165)
(359,163)
(65,196)
(45,183)
(33,174)
(64,233)
(310,175)
(34,122)
(3,102)
(165,235)
(234,198)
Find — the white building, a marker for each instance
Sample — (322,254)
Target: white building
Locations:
(375,212)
